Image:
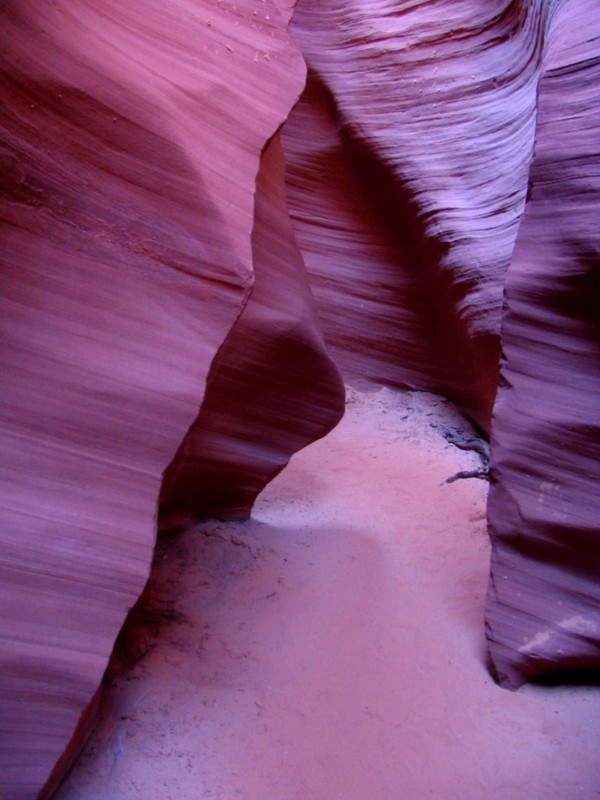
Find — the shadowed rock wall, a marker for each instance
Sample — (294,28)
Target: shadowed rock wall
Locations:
(272,388)
(543,611)
(132,137)
(157,320)
(409,154)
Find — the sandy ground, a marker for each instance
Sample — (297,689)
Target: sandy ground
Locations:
(332,647)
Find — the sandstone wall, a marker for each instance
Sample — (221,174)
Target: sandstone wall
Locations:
(157,318)
(132,140)
(543,611)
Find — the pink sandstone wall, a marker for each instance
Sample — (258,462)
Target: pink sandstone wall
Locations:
(132,137)
(543,611)
(158,321)
(421,120)
(409,172)
(272,388)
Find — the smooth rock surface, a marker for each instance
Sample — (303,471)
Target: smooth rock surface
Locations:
(132,134)
(272,388)
(543,611)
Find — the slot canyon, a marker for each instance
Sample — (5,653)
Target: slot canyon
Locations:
(300,409)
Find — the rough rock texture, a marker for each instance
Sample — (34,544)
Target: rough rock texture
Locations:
(408,159)
(132,135)
(543,610)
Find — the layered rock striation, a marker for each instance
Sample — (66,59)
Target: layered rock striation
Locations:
(130,226)
(160,344)
(409,171)
(407,192)
(272,388)
(543,612)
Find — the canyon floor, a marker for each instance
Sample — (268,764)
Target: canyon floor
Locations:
(333,646)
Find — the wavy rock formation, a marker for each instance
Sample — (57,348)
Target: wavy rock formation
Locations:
(272,388)
(131,145)
(158,322)
(543,611)
(409,158)
(420,122)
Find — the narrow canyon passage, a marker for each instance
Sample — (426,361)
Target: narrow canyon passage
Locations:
(332,647)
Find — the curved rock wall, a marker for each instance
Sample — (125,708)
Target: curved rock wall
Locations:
(132,136)
(157,319)
(421,120)
(272,388)
(409,157)
(543,612)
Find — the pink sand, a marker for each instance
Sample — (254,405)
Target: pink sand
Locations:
(333,646)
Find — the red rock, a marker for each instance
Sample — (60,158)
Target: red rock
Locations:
(543,611)
(272,388)
(407,191)
(155,309)
(406,197)
(132,137)
(373,268)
